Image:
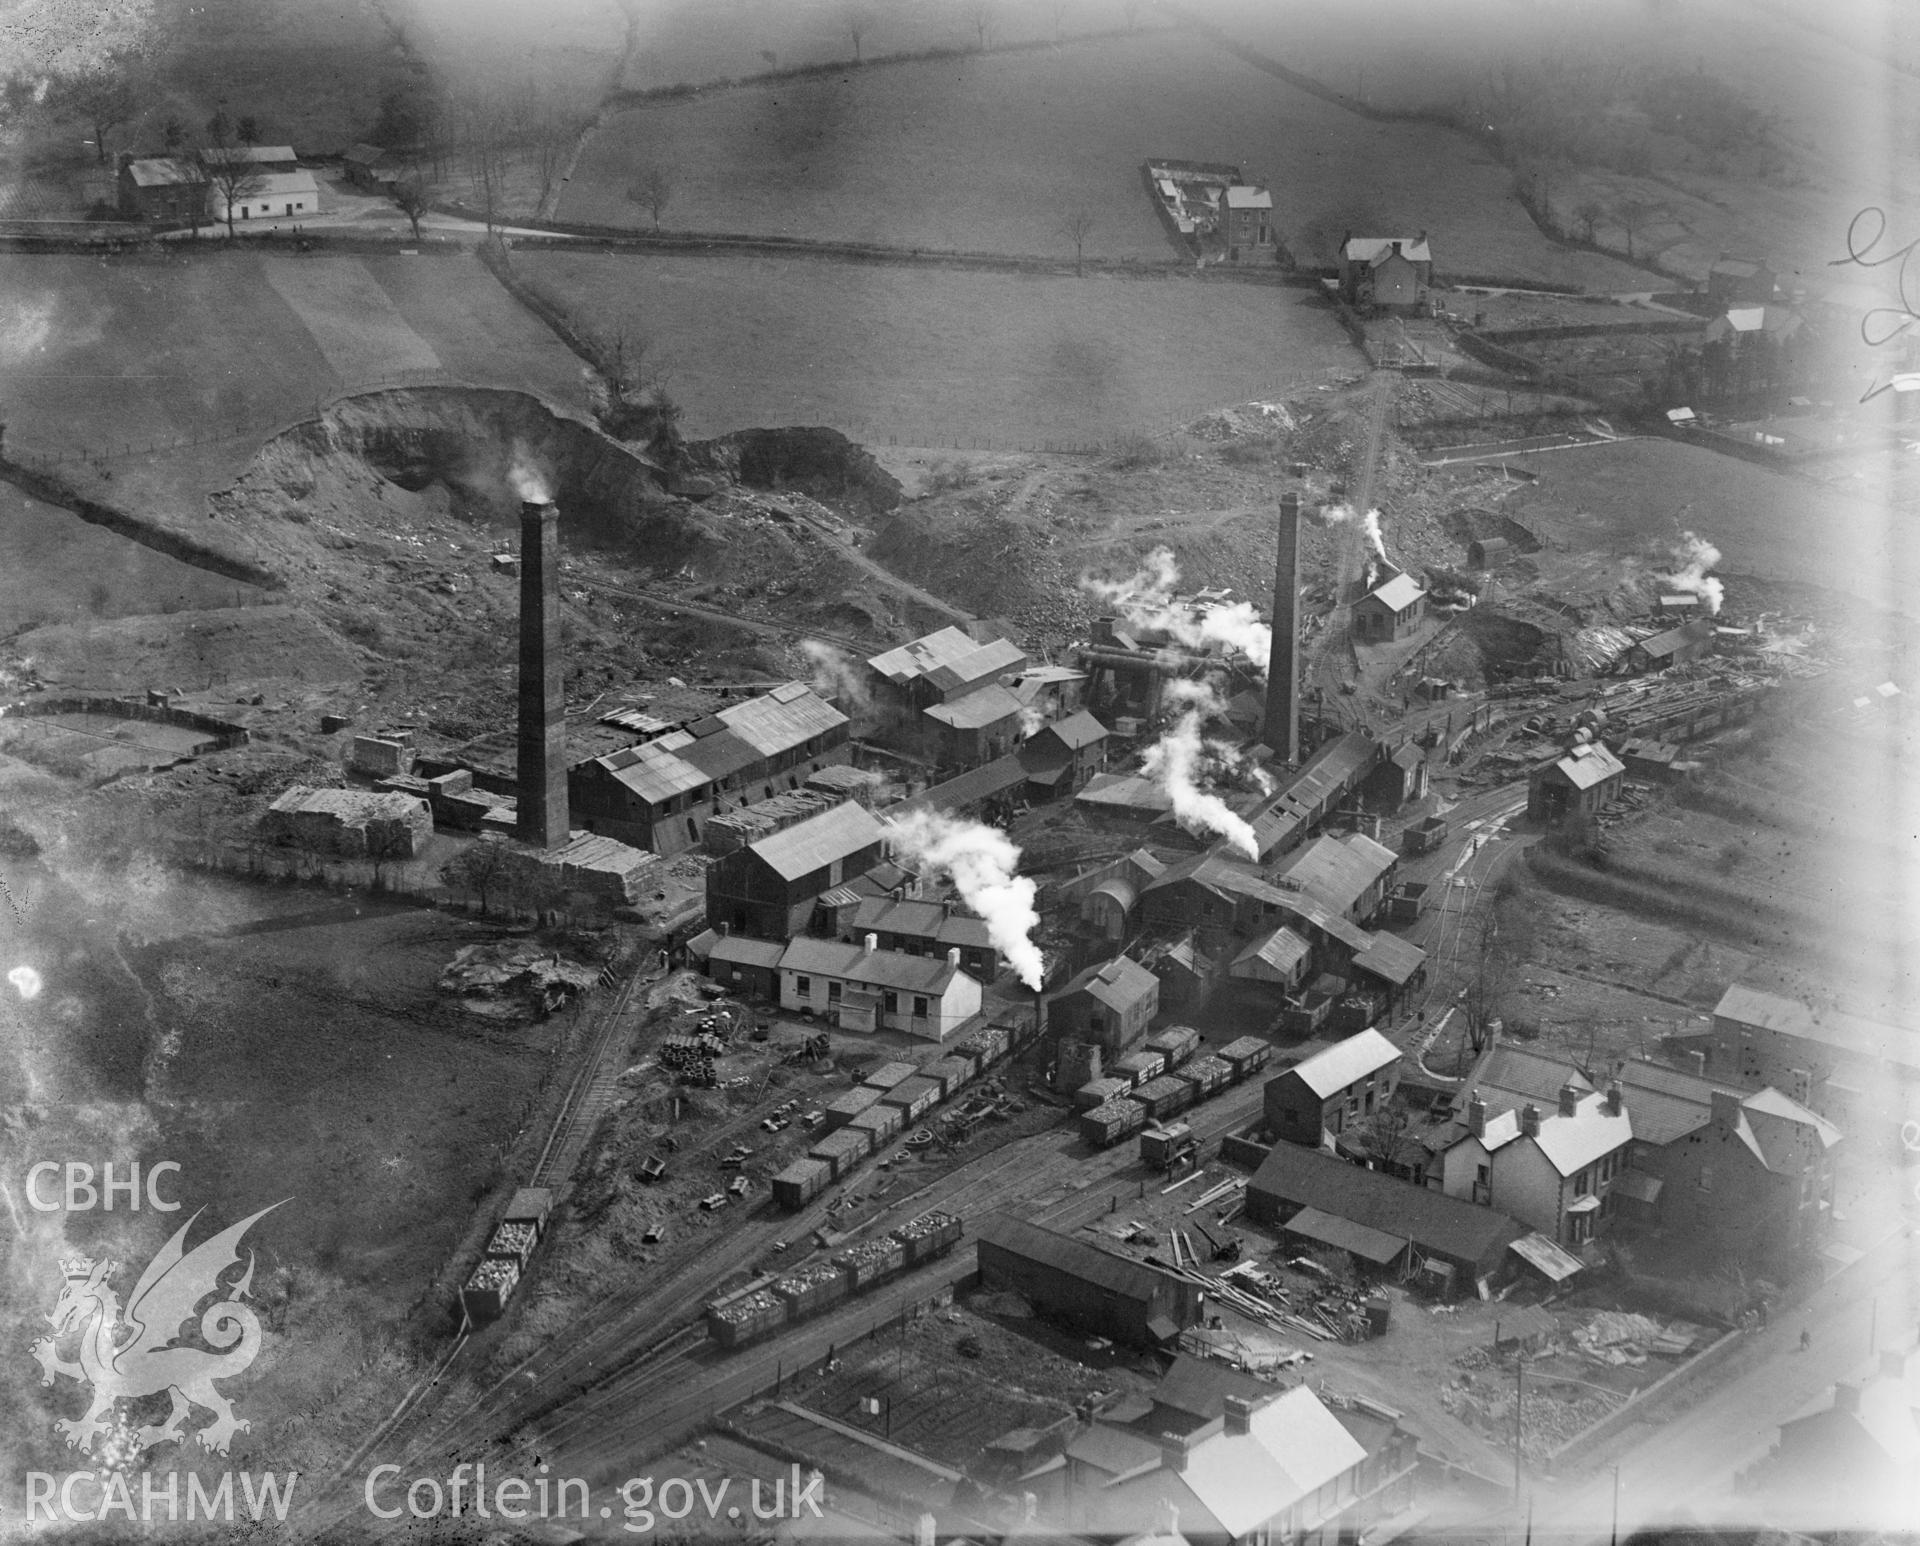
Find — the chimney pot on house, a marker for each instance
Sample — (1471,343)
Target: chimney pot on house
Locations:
(1476,1114)
(1698,1057)
(869,943)
(1530,1120)
(953,955)
(1569,1100)
(1613,1099)
(1726,1110)
(1239,1414)
(1174,1450)
(1029,1505)
(923,1529)
(1846,1397)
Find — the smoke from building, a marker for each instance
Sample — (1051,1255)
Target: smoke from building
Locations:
(836,675)
(1694,556)
(1180,758)
(983,864)
(1145,601)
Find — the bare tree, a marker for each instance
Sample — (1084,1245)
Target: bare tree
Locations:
(1589,212)
(981,14)
(230,174)
(859,22)
(652,190)
(411,198)
(1633,215)
(1077,226)
(103,97)
(1384,1133)
(484,136)
(480,867)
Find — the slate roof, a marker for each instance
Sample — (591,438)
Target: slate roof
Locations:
(1200,1387)
(1433,1221)
(1572,1143)
(920,920)
(272,184)
(1846,1033)
(1507,1074)
(741,951)
(1339,1065)
(950,656)
(818,841)
(1369,1244)
(1125,791)
(719,755)
(1242,197)
(164,172)
(1391,959)
(870,968)
(1373,250)
(1304,796)
(1078,729)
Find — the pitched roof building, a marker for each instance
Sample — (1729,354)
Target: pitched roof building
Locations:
(1082,1286)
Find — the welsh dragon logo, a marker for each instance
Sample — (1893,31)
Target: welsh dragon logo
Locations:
(131,1354)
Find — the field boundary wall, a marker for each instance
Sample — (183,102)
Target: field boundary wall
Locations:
(225,734)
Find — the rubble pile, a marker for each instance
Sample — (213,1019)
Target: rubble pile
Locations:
(515,969)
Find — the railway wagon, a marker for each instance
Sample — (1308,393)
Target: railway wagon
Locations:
(1166,1096)
(928,1236)
(880,1123)
(987,1046)
(744,1319)
(870,1262)
(887,1075)
(843,1108)
(1098,1092)
(1210,1075)
(952,1071)
(812,1289)
(1137,1068)
(843,1150)
(915,1097)
(801,1182)
(1176,1044)
(1248,1055)
(1107,1125)
(484,1298)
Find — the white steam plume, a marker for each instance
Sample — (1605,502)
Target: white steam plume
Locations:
(1695,556)
(1145,601)
(26,982)
(1370,524)
(1175,762)
(836,674)
(529,482)
(984,865)
(1032,721)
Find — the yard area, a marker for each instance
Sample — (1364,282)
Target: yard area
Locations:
(991,152)
(944,357)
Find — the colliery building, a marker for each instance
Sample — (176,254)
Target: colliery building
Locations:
(1575,785)
(1109,1005)
(923,928)
(863,988)
(771,889)
(661,793)
(1843,1066)
(1080,1286)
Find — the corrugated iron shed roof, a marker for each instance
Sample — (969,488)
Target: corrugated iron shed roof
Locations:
(1125,791)
(969,789)
(1273,957)
(1399,593)
(1119,984)
(976,710)
(1339,871)
(1373,1245)
(1390,958)
(652,774)
(1588,765)
(789,716)
(1100,1269)
(739,951)
(719,754)
(1540,1252)
(1077,730)
(818,841)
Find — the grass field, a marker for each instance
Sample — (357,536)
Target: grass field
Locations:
(99,360)
(944,357)
(1773,527)
(989,152)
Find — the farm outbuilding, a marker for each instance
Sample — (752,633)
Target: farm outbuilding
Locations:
(1083,1287)
(1489,553)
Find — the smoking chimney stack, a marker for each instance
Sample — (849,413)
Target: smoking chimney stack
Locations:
(1281,728)
(542,766)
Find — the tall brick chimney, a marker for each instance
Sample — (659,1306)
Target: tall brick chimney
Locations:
(542,767)
(1281,727)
